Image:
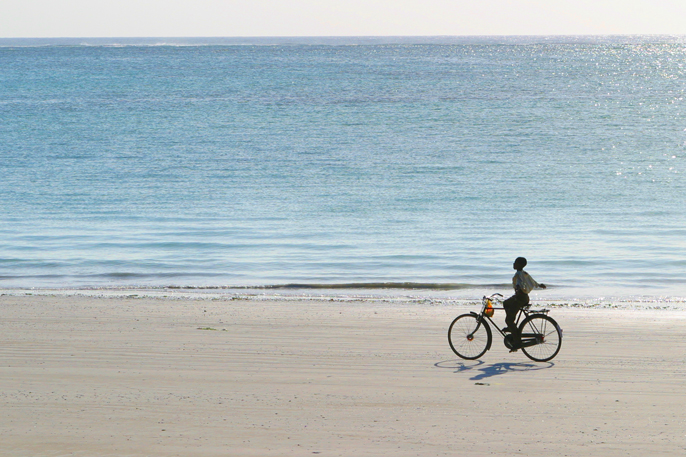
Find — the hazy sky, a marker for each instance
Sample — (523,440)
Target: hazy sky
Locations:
(211,18)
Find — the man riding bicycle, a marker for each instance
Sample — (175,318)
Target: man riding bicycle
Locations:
(523,283)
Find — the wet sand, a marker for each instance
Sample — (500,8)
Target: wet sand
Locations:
(86,376)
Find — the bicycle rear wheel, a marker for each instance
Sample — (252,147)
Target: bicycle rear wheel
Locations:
(469,339)
(541,337)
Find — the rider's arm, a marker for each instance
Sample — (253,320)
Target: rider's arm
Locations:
(539,285)
(536,284)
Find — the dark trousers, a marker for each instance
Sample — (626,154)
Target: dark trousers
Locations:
(512,306)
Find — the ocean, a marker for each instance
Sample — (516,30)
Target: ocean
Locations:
(402,165)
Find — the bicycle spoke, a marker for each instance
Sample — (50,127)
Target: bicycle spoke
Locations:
(468,338)
(544,340)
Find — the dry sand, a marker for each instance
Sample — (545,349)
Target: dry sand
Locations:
(84,376)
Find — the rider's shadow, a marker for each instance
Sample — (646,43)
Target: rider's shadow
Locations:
(483,371)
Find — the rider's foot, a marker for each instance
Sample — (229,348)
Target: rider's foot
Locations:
(516,345)
(506,330)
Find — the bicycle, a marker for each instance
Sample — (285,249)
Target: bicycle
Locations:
(470,335)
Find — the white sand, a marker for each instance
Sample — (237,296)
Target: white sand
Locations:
(87,376)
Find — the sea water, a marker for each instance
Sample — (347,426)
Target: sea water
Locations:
(347,164)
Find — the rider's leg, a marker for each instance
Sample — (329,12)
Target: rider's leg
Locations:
(512,306)
(511,309)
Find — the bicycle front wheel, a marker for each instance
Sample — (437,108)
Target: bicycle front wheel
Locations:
(468,338)
(541,337)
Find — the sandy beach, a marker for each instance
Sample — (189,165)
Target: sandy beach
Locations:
(131,376)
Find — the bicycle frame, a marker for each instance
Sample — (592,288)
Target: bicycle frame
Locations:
(528,339)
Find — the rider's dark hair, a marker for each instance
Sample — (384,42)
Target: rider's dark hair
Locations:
(520,262)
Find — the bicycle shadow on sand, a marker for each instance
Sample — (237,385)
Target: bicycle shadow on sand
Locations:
(483,371)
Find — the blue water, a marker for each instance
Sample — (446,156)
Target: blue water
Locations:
(347,162)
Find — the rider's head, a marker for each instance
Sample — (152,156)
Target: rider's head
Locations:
(519,263)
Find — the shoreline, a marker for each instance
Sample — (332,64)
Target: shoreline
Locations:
(142,376)
(468,297)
